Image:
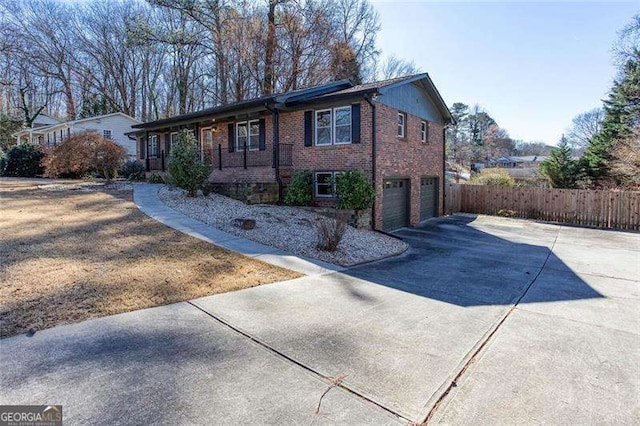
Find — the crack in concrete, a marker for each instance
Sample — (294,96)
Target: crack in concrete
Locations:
(333,382)
(472,359)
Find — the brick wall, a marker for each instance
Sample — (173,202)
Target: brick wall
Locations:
(407,158)
(332,157)
(263,173)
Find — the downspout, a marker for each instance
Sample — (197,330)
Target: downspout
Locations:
(444,175)
(275,119)
(373,156)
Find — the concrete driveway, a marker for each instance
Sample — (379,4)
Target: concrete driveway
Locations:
(484,320)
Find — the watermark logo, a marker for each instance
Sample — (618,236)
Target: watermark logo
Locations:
(30,415)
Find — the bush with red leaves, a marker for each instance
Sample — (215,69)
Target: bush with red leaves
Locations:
(85,153)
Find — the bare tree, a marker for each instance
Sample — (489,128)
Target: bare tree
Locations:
(393,67)
(625,161)
(584,127)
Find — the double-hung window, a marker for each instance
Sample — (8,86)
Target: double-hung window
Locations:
(333,126)
(342,120)
(424,132)
(174,138)
(324,127)
(324,184)
(106,134)
(248,132)
(402,125)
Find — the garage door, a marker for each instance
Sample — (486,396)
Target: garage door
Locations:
(428,197)
(395,204)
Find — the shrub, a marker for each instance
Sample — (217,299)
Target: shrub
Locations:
(492,177)
(186,169)
(132,170)
(155,178)
(108,157)
(24,161)
(300,190)
(330,232)
(506,213)
(84,153)
(354,191)
(3,161)
(73,158)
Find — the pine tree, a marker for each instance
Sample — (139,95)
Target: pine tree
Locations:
(560,168)
(622,114)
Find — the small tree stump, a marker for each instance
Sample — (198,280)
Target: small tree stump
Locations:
(246,224)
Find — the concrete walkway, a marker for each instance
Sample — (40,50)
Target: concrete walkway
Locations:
(146,198)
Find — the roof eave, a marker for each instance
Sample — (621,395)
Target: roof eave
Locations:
(332,98)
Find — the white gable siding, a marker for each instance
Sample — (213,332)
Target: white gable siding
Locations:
(117,124)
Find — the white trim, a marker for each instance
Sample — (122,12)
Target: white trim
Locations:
(315,184)
(424,131)
(335,134)
(402,128)
(248,123)
(330,127)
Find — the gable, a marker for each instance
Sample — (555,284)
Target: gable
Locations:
(411,99)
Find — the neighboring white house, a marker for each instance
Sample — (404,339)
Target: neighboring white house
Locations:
(44,120)
(113,126)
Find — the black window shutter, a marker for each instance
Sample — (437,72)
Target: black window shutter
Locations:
(261,135)
(355,123)
(232,137)
(308,128)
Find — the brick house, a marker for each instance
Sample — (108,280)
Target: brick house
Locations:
(392,130)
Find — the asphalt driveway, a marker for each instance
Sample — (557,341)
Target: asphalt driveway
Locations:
(484,320)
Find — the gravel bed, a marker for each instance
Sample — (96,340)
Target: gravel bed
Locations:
(287,228)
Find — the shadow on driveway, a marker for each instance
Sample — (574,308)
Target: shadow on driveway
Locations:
(453,261)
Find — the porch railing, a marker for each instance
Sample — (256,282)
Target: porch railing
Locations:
(252,158)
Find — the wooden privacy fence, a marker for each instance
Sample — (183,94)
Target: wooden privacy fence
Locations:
(601,208)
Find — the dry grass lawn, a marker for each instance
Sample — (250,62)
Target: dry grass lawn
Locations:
(70,255)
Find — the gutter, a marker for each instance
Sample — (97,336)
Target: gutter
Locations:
(275,117)
(373,155)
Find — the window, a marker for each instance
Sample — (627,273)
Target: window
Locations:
(248,132)
(153,146)
(342,122)
(324,128)
(333,126)
(402,125)
(174,137)
(106,134)
(324,184)
(424,132)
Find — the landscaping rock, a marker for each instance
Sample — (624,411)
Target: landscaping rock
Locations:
(246,224)
(291,229)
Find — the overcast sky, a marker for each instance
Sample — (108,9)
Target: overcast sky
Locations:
(532,65)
